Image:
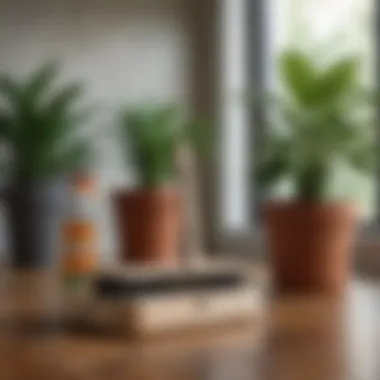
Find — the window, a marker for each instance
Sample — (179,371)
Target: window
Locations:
(254,33)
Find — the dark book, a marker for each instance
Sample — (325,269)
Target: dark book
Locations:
(111,285)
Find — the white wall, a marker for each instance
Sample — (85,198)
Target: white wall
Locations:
(125,50)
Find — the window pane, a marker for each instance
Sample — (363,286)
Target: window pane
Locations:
(234,158)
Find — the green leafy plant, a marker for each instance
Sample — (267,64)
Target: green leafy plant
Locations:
(152,136)
(323,116)
(39,126)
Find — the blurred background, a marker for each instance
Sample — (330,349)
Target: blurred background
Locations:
(207,57)
(180,103)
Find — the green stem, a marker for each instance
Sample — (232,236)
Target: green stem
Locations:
(311,183)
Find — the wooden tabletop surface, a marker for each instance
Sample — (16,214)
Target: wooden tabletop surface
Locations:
(305,338)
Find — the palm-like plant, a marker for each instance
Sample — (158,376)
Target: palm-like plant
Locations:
(39,127)
(152,136)
(161,145)
(325,118)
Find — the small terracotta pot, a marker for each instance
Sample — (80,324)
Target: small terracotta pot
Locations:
(149,225)
(310,245)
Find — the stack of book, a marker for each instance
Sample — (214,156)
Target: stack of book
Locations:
(141,301)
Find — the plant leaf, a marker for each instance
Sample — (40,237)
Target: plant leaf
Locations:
(40,82)
(275,163)
(151,136)
(362,158)
(337,80)
(299,75)
(38,123)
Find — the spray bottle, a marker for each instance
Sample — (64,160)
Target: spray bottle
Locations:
(79,255)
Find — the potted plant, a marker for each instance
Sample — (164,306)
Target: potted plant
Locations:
(323,120)
(40,142)
(151,215)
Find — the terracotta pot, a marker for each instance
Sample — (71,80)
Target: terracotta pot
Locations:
(310,245)
(149,225)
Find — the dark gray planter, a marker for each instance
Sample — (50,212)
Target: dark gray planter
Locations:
(35,213)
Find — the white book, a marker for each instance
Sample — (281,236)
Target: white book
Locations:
(148,315)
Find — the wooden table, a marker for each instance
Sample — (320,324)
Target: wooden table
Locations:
(303,338)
